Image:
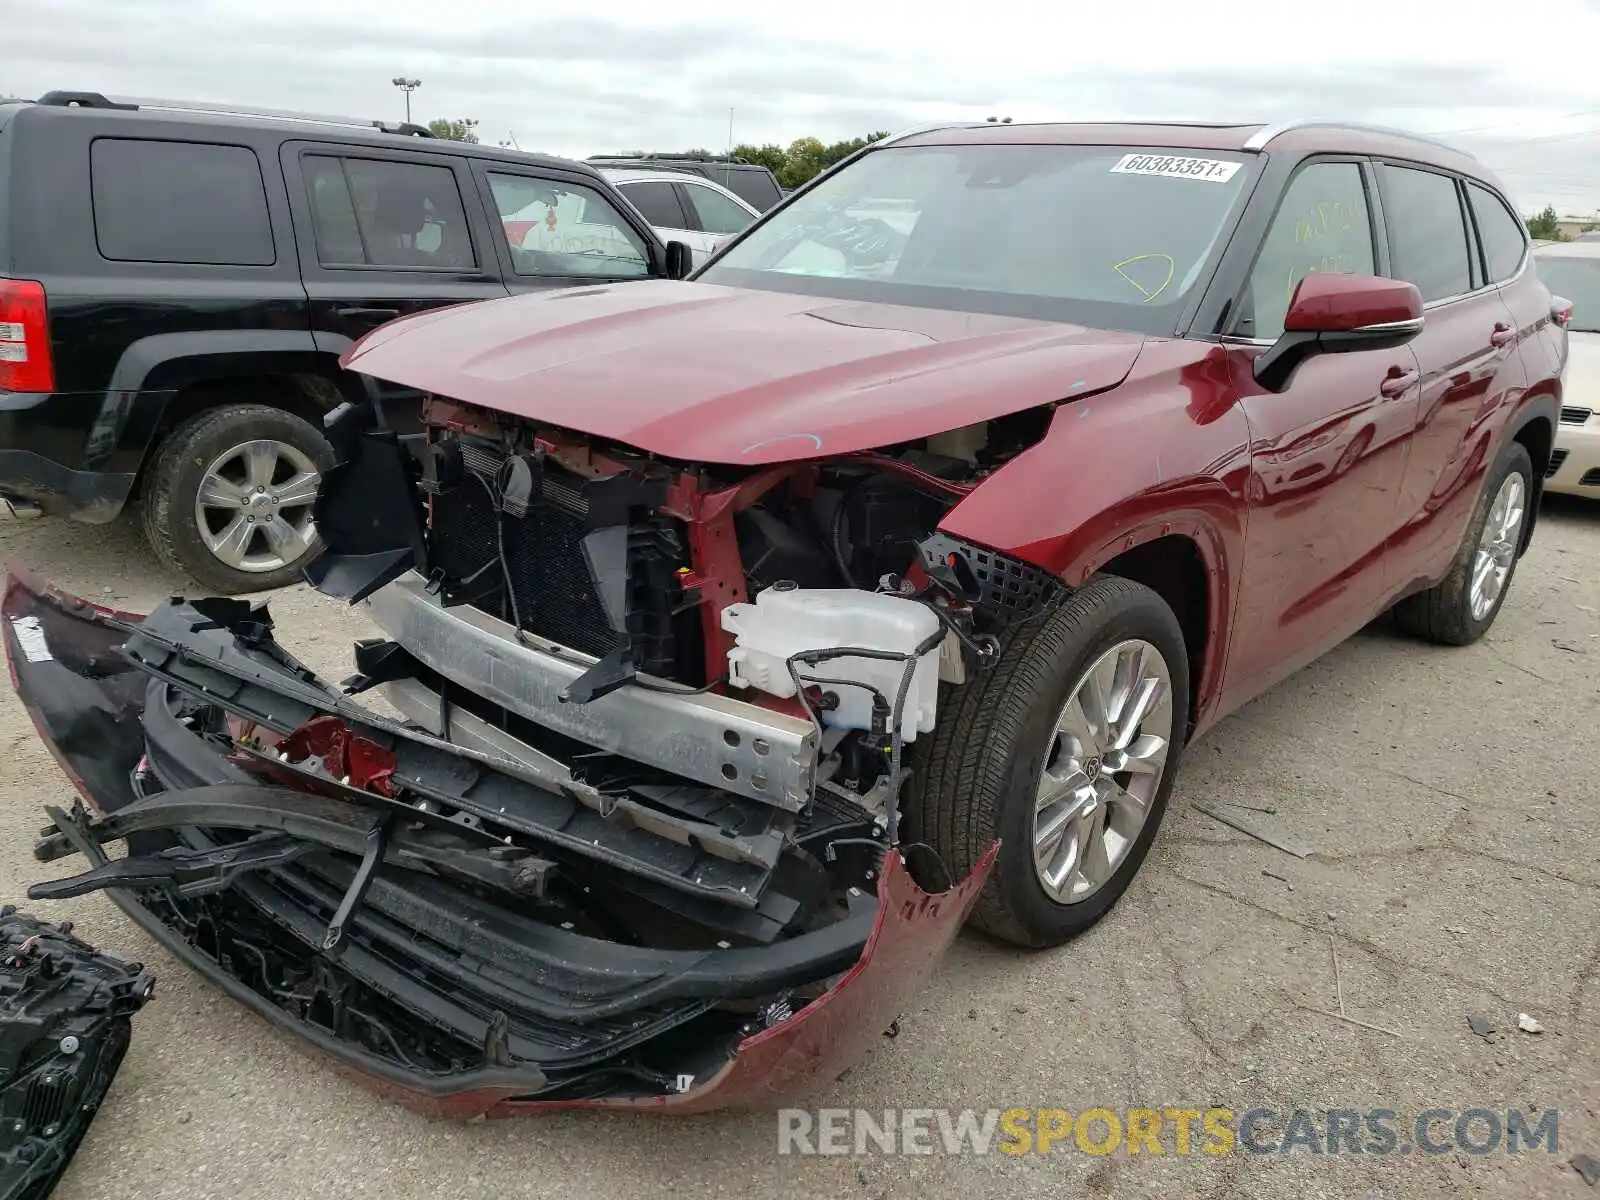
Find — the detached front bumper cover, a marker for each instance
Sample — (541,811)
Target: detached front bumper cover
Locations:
(277,845)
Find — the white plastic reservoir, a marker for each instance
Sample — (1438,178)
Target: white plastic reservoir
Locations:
(785,621)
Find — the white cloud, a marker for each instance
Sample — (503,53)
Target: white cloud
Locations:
(626,75)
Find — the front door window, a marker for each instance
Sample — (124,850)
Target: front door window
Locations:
(566,229)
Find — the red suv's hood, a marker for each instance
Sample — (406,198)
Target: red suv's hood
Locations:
(712,374)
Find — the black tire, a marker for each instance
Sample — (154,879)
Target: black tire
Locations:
(975,780)
(173,482)
(1443,613)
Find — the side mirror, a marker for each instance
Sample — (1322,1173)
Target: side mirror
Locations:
(680,260)
(1337,314)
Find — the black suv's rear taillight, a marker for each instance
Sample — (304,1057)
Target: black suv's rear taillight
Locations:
(25,364)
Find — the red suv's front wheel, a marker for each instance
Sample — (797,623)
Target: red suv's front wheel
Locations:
(1066,752)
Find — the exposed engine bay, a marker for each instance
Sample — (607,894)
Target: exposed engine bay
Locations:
(818,596)
(639,808)
(650,568)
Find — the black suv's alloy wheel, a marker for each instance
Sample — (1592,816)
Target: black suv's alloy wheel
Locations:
(230,495)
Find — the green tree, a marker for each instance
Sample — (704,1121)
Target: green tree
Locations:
(455,131)
(842,150)
(804,158)
(1545,227)
(769,156)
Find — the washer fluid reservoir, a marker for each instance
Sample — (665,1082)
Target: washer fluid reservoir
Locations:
(785,620)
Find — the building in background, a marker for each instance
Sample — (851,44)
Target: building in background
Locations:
(1574,227)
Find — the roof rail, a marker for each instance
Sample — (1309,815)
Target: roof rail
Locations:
(1008,123)
(640,156)
(933,128)
(59,99)
(129,103)
(1261,138)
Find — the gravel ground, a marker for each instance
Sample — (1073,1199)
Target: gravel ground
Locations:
(1450,796)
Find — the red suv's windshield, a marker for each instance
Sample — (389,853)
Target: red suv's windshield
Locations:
(1106,235)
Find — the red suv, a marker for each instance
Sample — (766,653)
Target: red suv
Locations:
(1169,410)
(911,539)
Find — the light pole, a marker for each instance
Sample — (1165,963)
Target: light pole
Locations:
(407,86)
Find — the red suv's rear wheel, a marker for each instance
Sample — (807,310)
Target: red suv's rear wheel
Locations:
(1462,606)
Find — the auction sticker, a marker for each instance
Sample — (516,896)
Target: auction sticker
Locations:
(1209,170)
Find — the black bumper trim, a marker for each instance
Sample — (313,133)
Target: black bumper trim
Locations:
(526,1079)
(579,978)
(249,674)
(95,497)
(427,996)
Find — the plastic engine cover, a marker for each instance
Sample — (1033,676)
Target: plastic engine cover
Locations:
(788,620)
(65,1023)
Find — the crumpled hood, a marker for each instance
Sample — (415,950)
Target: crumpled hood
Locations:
(700,372)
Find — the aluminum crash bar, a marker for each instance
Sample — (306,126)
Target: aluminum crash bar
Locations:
(730,744)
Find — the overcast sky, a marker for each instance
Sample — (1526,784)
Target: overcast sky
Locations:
(1520,87)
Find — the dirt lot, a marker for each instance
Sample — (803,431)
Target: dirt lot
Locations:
(1453,801)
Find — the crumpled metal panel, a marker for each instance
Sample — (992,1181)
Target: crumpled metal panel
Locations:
(785,1063)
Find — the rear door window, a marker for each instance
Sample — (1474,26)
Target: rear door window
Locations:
(370,212)
(753,187)
(1427,235)
(179,202)
(1505,240)
(657,203)
(717,214)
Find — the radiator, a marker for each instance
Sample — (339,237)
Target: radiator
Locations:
(546,585)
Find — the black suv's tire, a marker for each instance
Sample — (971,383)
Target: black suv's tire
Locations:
(980,776)
(229,446)
(1449,613)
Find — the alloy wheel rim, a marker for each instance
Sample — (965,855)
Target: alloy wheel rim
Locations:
(1497,546)
(1107,757)
(253,508)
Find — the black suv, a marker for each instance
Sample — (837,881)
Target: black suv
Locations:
(178,282)
(751,182)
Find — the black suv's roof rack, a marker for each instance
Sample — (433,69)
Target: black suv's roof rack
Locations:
(636,157)
(60,99)
(63,99)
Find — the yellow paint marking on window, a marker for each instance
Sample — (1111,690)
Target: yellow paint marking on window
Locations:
(1149,296)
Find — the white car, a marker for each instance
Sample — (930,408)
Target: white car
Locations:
(683,207)
(1572,270)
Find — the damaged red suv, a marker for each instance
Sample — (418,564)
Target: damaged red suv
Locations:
(749,633)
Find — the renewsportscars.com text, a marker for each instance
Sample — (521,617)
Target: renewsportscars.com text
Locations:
(1179,1131)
